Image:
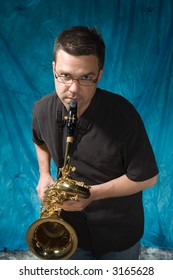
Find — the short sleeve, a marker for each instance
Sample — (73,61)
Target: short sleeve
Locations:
(36,134)
(139,156)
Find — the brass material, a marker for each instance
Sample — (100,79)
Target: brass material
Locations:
(50,237)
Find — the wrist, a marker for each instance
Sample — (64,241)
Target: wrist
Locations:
(45,173)
(95,192)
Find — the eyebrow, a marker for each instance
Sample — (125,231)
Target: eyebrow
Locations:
(84,74)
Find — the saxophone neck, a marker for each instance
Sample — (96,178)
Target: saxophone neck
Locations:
(67,154)
(65,170)
(71,121)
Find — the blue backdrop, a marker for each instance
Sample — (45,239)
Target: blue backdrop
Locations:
(139,66)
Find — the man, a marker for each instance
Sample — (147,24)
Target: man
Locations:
(111,150)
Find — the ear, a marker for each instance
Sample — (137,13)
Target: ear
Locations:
(53,67)
(100,75)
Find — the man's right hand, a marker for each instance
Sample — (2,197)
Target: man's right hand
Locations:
(44,182)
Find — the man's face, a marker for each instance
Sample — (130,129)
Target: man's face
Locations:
(83,67)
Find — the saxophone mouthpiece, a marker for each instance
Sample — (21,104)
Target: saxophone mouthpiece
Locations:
(71,120)
(73,103)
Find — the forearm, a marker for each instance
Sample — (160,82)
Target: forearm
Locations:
(43,157)
(46,179)
(118,187)
(121,186)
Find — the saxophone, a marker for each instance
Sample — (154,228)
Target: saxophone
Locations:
(50,237)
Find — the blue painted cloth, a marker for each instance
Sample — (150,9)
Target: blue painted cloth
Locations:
(139,66)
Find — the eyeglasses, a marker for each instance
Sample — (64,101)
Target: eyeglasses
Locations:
(83,81)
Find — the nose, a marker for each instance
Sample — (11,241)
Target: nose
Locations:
(74,87)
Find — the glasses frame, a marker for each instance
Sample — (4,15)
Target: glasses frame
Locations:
(93,81)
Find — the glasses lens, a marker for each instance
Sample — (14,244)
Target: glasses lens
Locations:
(65,80)
(85,82)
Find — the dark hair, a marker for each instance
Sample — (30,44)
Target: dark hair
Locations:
(81,40)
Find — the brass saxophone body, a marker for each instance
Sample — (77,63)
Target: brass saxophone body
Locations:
(50,237)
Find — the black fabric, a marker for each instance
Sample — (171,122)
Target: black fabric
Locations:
(60,122)
(113,142)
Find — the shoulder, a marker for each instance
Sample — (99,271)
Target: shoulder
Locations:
(118,111)
(46,100)
(115,102)
(46,103)
(108,96)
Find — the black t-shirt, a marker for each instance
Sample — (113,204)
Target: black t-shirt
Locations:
(110,140)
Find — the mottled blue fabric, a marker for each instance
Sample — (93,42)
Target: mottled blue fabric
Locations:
(139,66)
